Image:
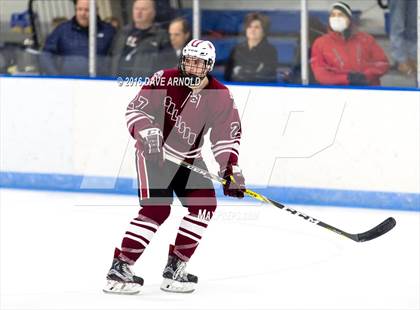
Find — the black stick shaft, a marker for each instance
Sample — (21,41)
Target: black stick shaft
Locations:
(373,233)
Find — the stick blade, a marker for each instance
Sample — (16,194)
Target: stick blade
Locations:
(377,231)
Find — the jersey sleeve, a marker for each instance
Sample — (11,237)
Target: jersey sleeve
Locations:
(225,135)
(141,111)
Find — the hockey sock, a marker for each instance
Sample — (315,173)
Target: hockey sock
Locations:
(189,235)
(140,232)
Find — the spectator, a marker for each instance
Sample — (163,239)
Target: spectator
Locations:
(403,34)
(115,22)
(66,49)
(345,56)
(137,46)
(179,35)
(254,60)
(58,21)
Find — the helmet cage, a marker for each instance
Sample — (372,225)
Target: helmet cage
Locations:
(206,68)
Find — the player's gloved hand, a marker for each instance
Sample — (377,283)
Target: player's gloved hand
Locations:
(151,139)
(357,79)
(235,181)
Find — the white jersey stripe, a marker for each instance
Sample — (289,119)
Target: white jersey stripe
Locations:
(136,239)
(225,141)
(145,176)
(154,226)
(197,229)
(134,113)
(226,151)
(227,146)
(141,231)
(130,250)
(135,119)
(131,112)
(178,155)
(142,176)
(142,112)
(194,218)
(184,153)
(188,236)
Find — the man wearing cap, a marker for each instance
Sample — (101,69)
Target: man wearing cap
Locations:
(345,56)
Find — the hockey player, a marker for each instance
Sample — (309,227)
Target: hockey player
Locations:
(171,115)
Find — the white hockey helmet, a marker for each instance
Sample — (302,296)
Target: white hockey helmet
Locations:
(199,49)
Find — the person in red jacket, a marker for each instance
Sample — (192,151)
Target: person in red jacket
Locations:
(345,56)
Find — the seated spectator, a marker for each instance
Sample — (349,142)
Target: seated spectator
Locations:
(254,60)
(58,21)
(345,56)
(179,35)
(115,22)
(137,46)
(66,49)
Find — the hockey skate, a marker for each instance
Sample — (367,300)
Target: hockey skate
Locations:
(121,280)
(176,279)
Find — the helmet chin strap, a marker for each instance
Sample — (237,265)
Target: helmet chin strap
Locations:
(199,85)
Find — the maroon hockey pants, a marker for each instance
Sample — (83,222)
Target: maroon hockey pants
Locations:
(156,188)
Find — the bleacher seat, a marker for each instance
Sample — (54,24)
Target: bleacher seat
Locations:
(286,50)
(223,21)
(283,22)
(231,21)
(218,73)
(223,48)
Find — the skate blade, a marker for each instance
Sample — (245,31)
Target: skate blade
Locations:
(121,288)
(173,286)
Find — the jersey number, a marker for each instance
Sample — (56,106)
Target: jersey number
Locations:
(139,103)
(234,130)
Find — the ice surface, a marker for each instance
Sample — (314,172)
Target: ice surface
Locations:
(56,249)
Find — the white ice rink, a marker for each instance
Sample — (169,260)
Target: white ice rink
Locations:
(56,249)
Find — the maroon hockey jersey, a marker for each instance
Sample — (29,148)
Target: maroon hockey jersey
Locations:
(185,118)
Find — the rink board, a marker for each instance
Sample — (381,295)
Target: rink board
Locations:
(300,145)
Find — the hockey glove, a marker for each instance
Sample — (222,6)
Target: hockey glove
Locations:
(151,139)
(357,79)
(235,182)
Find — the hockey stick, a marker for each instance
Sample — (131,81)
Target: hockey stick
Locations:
(373,233)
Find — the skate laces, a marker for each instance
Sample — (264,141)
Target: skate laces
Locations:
(180,270)
(127,269)
(124,270)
